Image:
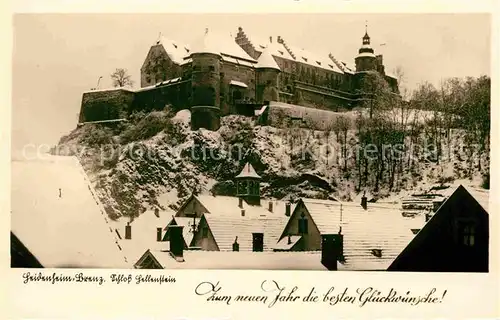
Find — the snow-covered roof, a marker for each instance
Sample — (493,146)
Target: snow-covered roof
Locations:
(482,196)
(143,230)
(71,230)
(225,229)
(211,42)
(248,172)
(238,84)
(242,260)
(314,59)
(365,54)
(111,89)
(187,223)
(378,227)
(175,50)
(287,242)
(266,60)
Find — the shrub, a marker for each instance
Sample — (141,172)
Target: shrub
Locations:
(146,126)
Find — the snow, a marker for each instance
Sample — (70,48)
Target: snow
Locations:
(175,50)
(266,60)
(68,231)
(211,42)
(183,116)
(366,54)
(238,84)
(318,60)
(242,260)
(111,89)
(248,172)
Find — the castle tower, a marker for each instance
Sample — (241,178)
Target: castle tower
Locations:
(366,59)
(205,84)
(248,185)
(267,74)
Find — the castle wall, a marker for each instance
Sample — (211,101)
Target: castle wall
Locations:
(321,98)
(282,115)
(175,95)
(158,67)
(229,93)
(106,104)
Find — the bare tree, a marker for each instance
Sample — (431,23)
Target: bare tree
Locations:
(121,78)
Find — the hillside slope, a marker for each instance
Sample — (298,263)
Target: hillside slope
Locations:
(155,160)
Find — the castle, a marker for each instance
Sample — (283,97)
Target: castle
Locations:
(221,75)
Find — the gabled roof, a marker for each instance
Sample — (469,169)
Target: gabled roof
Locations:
(378,227)
(266,60)
(187,223)
(225,229)
(248,172)
(175,50)
(143,230)
(71,230)
(241,260)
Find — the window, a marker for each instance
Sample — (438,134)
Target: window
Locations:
(211,68)
(466,232)
(258,242)
(303,224)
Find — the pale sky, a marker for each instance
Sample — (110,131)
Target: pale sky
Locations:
(57,57)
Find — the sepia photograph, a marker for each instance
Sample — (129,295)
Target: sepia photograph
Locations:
(325,142)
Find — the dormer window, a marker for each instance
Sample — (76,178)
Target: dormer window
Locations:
(187,50)
(377,253)
(281,52)
(304,58)
(175,46)
(319,63)
(330,66)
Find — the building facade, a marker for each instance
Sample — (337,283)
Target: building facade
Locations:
(221,75)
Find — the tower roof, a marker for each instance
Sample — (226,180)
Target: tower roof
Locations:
(266,60)
(248,172)
(205,44)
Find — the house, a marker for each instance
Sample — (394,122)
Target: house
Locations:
(176,257)
(455,239)
(57,221)
(145,231)
(362,237)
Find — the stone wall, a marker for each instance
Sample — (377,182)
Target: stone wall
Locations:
(283,115)
(177,95)
(106,104)
(229,93)
(158,67)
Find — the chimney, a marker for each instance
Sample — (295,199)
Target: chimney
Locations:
(128,231)
(240,202)
(270,206)
(242,212)
(176,242)
(280,40)
(287,209)
(157,212)
(331,250)
(364,201)
(159,232)
(271,39)
(289,239)
(236,245)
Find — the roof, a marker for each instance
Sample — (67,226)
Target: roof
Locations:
(225,205)
(176,51)
(187,223)
(318,60)
(214,43)
(72,230)
(225,229)
(378,227)
(242,260)
(143,229)
(365,54)
(248,172)
(266,60)
(481,195)
(287,242)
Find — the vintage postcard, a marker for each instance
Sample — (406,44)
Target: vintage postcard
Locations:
(233,165)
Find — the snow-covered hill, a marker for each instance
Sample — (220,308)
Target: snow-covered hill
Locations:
(155,160)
